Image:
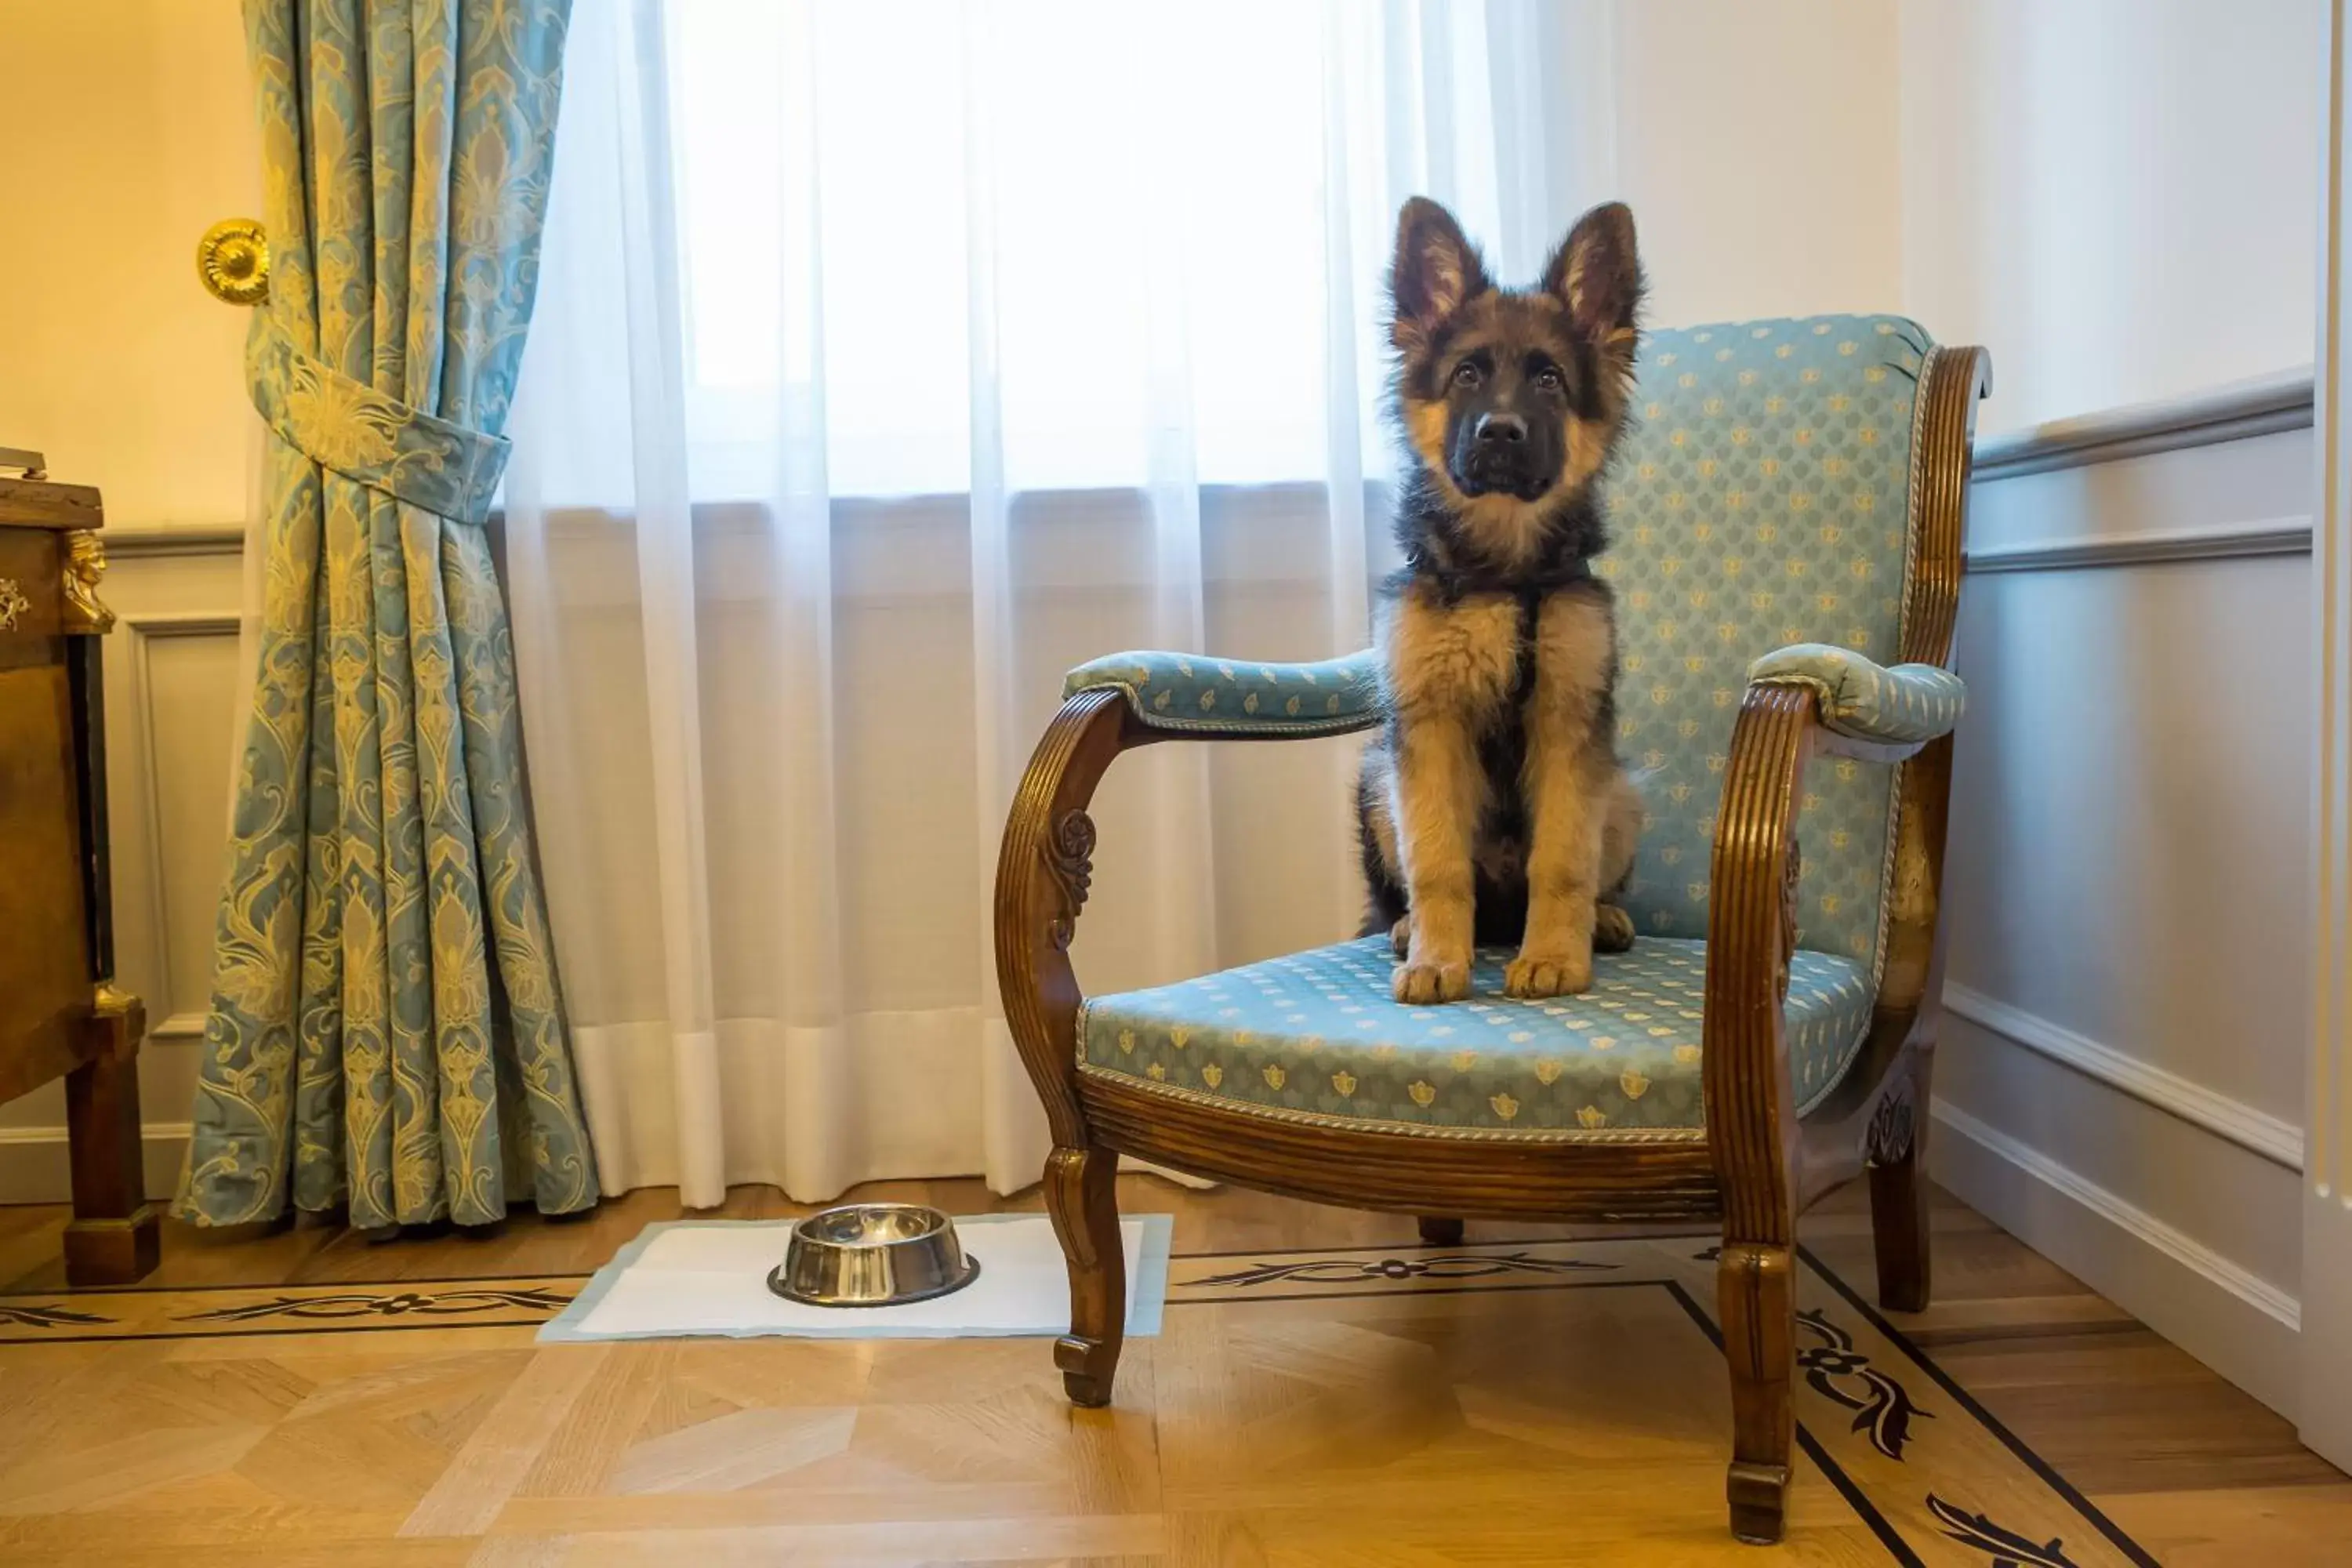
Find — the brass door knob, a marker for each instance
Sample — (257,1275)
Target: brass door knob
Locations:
(233,259)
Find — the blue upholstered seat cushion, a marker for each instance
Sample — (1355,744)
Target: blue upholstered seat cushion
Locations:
(1317,1035)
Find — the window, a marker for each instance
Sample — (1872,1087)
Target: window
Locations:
(1131,244)
(1152,196)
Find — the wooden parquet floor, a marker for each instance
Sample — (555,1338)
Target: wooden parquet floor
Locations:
(304,1396)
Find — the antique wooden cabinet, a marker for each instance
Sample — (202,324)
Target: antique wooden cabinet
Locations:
(60,1015)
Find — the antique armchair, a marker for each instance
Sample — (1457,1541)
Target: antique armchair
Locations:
(1786,523)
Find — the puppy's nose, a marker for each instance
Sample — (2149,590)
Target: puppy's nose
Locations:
(1506,429)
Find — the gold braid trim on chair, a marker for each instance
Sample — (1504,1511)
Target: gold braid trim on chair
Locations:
(1692,1136)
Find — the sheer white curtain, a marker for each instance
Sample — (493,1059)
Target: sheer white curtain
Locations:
(889,359)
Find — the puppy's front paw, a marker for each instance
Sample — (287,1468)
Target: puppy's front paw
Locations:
(1535,975)
(1612,930)
(1424,983)
(1400,935)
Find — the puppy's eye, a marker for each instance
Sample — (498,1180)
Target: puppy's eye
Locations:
(1466,373)
(1549,380)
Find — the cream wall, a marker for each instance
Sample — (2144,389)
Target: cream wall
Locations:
(1758,143)
(2119,197)
(126,129)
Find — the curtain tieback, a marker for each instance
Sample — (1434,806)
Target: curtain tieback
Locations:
(367,436)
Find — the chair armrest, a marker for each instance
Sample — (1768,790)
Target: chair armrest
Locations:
(1194,694)
(1751,928)
(1899,706)
(1045,864)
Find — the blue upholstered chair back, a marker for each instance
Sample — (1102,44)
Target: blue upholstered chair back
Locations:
(1765,495)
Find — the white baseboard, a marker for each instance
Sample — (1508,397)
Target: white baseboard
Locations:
(2244,1326)
(34,1167)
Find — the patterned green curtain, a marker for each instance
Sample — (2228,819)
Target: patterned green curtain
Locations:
(387,1028)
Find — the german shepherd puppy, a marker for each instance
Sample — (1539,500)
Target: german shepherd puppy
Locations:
(1493,807)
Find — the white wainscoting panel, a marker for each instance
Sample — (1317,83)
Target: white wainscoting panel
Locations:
(2130,837)
(184,699)
(2122,1078)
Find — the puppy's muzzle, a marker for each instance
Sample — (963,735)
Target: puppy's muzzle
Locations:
(1500,457)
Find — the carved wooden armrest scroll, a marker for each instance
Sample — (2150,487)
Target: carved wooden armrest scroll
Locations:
(1889,1141)
(1069,853)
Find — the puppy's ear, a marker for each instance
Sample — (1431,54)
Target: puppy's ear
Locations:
(1436,270)
(1597,274)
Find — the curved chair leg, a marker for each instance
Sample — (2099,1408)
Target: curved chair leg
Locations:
(1756,1295)
(1898,1193)
(1438,1231)
(1080,1195)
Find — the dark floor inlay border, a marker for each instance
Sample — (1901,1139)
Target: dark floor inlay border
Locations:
(1445,1266)
(354,1304)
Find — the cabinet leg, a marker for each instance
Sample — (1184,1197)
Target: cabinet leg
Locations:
(114,1236)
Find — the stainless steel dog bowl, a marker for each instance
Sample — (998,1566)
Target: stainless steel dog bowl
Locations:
(873,1254)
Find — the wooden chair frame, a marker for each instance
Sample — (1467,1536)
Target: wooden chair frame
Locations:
(1755,1166)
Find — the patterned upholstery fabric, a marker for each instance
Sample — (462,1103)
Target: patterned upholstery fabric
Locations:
(1867,700)
(1317,1035)
(1763,498)
(1201,695)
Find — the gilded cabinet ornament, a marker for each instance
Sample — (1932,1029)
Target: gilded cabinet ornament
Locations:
(121,1020)
(85,564)
(13,603)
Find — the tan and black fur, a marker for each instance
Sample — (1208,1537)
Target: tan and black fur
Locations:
(1493,806)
